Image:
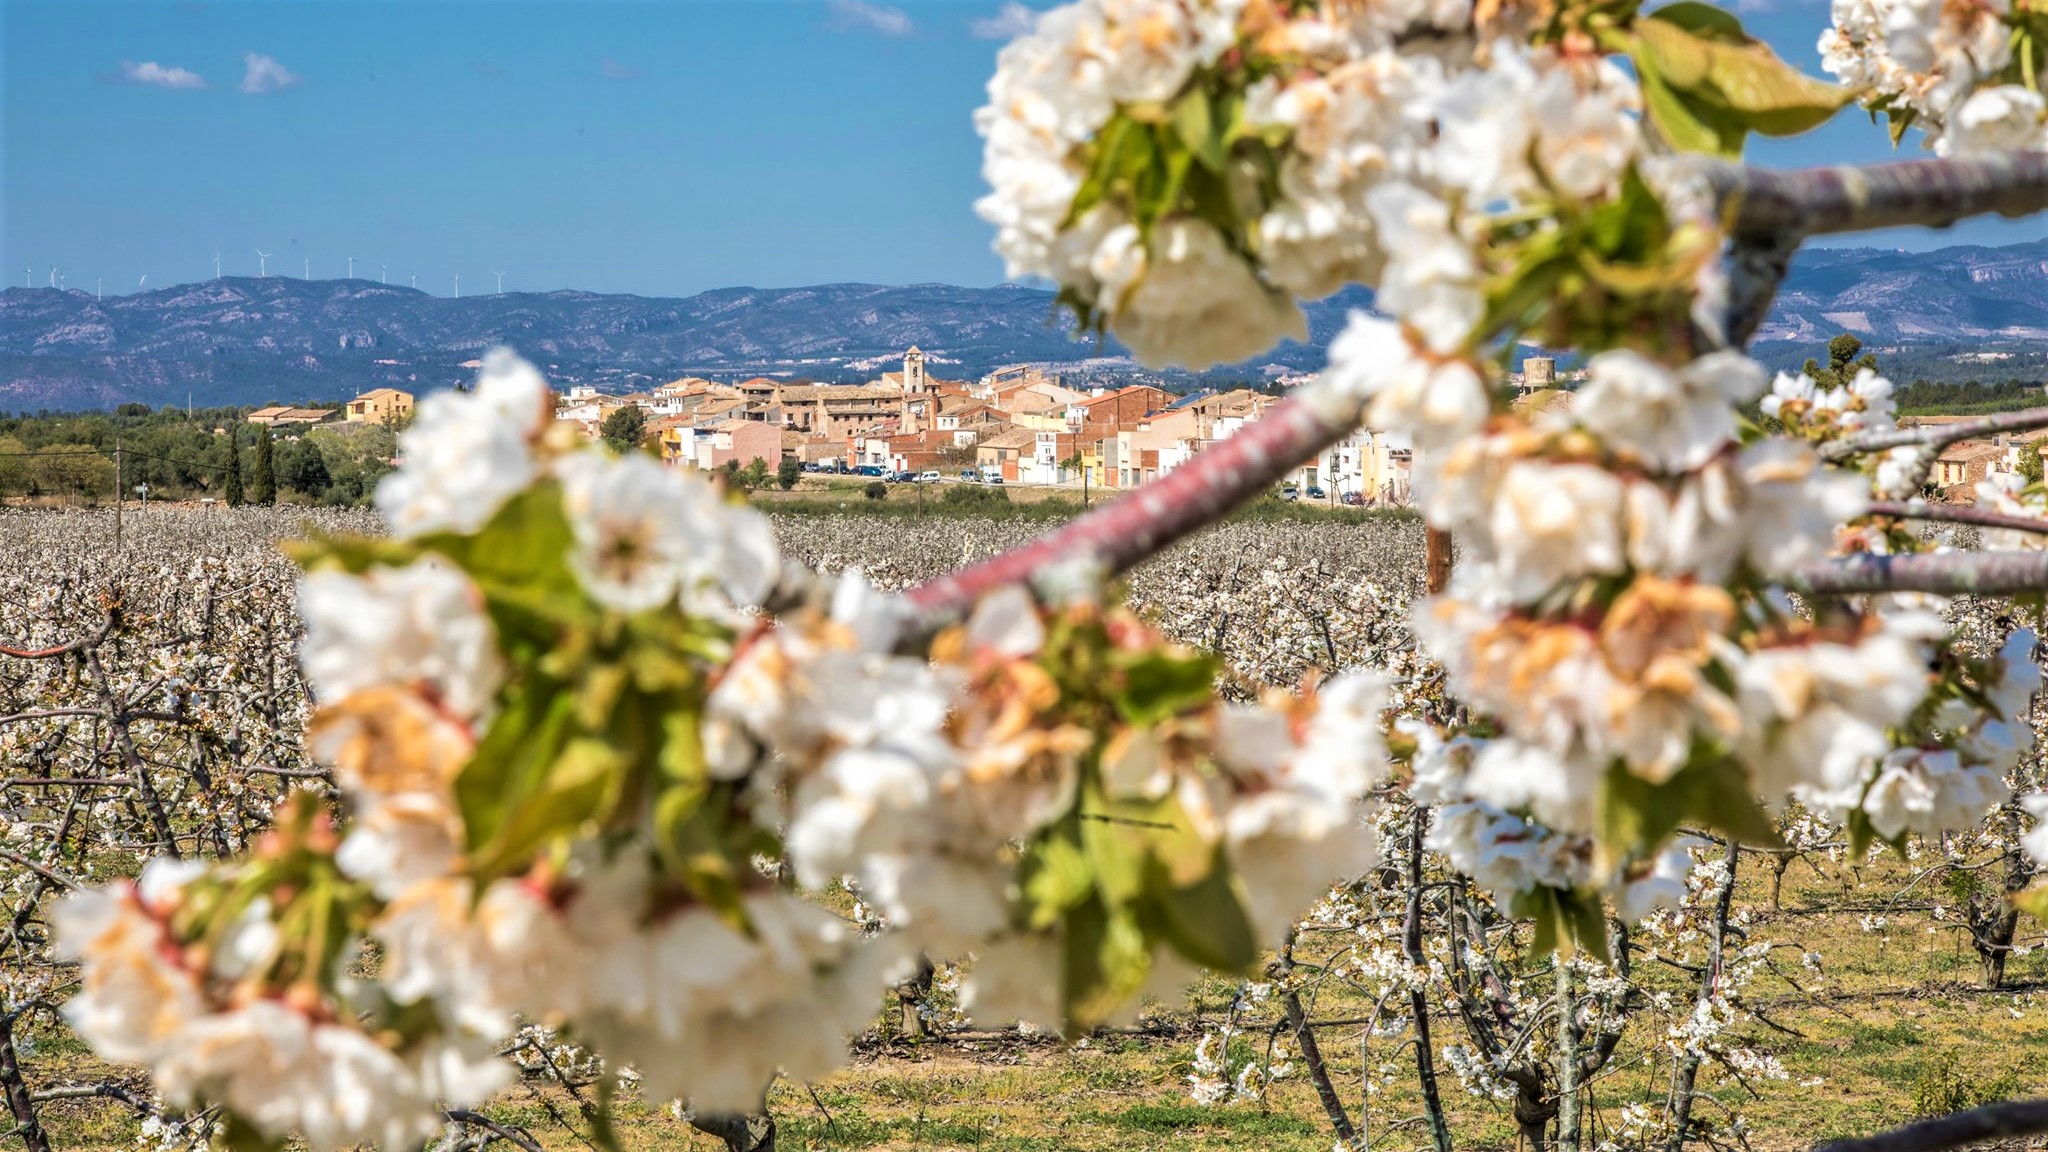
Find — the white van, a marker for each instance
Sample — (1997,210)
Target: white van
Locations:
(929,477)
(991,473)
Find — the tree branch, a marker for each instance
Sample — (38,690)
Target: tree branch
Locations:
(1933,435)
(1188,498)
(1766,209)
(1947,573)
(1956,514)
(1992,1122)
(1858,198)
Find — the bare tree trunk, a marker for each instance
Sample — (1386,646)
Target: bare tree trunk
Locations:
(1685,1074)
(1994,921)
(1567,1060)
(740,1133)
(19,1102)
(1781,862)
(1418,1000)
(909,996)
(1312,1055)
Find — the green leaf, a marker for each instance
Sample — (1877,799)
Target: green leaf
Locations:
(1160,683)
(1205,921)
(2033,901)
(1115,852)
(512,756)
(686,838)
(576,790)
(524,548)
(1707,83)
(1195,122)
(1106,962)
(1637,816)
(1588,923)
(1055,875)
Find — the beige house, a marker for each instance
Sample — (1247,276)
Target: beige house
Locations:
(379,406)
(282,416)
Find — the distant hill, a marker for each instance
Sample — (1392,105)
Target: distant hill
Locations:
(248,340)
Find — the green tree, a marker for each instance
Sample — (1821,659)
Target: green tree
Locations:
(624,428)
(301,468)
(2030,462)
(786,473)
(1842,365)
(754,475)
(13,466)
(73,470)
(263,477)
(234,481)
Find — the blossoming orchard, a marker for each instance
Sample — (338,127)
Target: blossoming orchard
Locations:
(585,747)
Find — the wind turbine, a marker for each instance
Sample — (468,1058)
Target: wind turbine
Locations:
(458,285)
(381,270)
(413,281)
(28,276)
(96,288)
(53,275)
(216,264)
(309,267)
(262,263)
(501,282)
(351,267)
(141,282)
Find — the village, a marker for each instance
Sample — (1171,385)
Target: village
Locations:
(1015,425)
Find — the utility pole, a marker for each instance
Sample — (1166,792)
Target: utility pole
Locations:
(117,494)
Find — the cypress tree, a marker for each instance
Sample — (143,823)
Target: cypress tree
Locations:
(234,485)
(263,481)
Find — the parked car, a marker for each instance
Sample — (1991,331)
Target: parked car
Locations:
(1315,493)
(874,470)
(810,465)
(993,480)
(929,477)
(969,475)
(904,477)
(1290,492)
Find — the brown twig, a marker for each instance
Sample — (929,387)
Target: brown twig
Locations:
(1935,436)
(1992,1122)
(1957,514)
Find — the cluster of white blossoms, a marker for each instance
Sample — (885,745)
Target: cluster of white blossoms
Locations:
(587,727)
(2011,494)
(1814,412)
(1511,854)
(1614,609)
(206,990)
(1337,139)
(922,790)
(1949,67)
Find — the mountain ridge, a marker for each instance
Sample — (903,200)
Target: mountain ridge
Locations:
(253,340)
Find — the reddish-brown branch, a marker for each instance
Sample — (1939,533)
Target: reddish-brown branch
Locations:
(1957,514)
(1148,519)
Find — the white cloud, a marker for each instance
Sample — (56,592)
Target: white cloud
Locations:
(265,74)
(871,17)
(158,76)
(1011,21)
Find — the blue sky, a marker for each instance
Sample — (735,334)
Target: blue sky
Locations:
(654,147)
